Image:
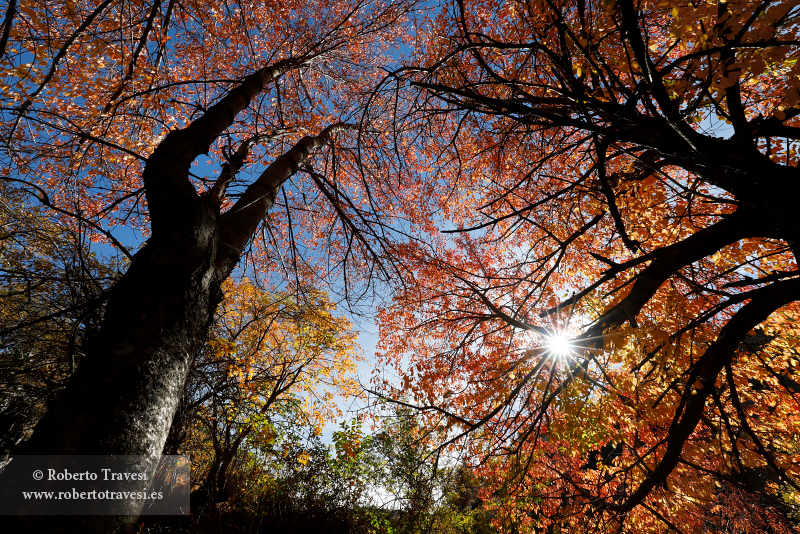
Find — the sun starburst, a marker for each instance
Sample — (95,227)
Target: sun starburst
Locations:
(558,345)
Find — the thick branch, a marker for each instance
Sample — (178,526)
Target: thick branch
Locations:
(633,34)
(217,193)
(733,93)
(732,228)
(166,174)
(718,355)
(7,22)
(238,225)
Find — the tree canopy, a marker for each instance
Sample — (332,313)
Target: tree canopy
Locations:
(588,203)
(579,219)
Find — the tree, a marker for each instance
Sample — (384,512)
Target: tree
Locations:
(100,120)
(612,271)
(270,360)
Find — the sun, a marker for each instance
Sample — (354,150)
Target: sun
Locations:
(558,345)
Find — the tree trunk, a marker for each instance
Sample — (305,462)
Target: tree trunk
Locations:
(215,486)
(122,398)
